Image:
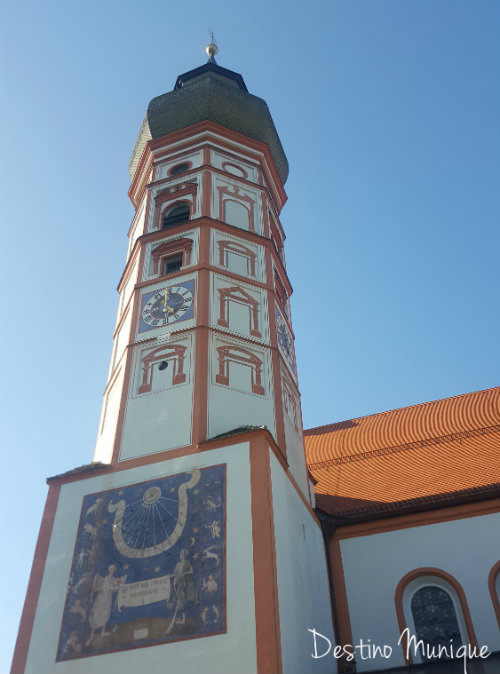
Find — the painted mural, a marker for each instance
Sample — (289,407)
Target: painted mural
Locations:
(148,565)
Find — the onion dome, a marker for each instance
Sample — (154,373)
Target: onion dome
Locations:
(210,92)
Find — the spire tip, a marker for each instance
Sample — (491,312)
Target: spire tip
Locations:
(212,48)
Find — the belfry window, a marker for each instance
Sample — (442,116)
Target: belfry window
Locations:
(435,619)
(171,264)
(171,256)
(177,215)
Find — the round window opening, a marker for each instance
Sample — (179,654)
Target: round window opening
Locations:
(179,168)
(235,170)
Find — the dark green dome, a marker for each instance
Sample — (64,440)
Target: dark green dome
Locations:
(214,93)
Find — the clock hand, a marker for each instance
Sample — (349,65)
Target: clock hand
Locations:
(165,299)
(166,308)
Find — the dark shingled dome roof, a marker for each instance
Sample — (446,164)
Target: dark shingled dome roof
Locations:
(214,93)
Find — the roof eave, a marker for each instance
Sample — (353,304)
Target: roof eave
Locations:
(416,505)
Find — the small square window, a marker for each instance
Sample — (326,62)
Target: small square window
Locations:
(172,263)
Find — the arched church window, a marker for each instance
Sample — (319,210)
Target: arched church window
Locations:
(177,215)
(435,619)
(433,615)
(494,586)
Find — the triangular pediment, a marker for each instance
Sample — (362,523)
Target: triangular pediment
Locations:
(238,293)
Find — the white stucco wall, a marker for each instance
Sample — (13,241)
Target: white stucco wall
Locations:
(239,194)
(137,227)
(161,419)
(237,263)
(127,289)
(373,566)
(231,652)
(295,453)
(235,405)
(240,314)
(218,159)
(121,339)
(303,587)
(194,157)
(109,415)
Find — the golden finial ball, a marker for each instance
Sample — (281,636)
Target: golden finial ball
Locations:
(212,49)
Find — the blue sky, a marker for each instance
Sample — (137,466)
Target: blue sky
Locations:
(388,112)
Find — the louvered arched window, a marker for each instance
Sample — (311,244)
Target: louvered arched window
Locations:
(177,215)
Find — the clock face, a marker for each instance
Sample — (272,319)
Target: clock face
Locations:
(167,305)
(285,340)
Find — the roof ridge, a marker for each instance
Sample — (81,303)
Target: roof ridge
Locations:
(404,407)
(382,451)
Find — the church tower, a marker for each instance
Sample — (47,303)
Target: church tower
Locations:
(190,543)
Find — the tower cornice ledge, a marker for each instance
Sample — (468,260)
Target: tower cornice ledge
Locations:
(206,130)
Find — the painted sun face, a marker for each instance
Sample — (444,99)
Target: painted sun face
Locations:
(151,495)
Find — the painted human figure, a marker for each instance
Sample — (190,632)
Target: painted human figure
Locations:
(184,588)
(103,601)
(72,645)
(96,507)
(81,558)
(209,585)
(78,608)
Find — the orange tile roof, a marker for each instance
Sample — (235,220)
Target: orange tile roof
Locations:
(442,447)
